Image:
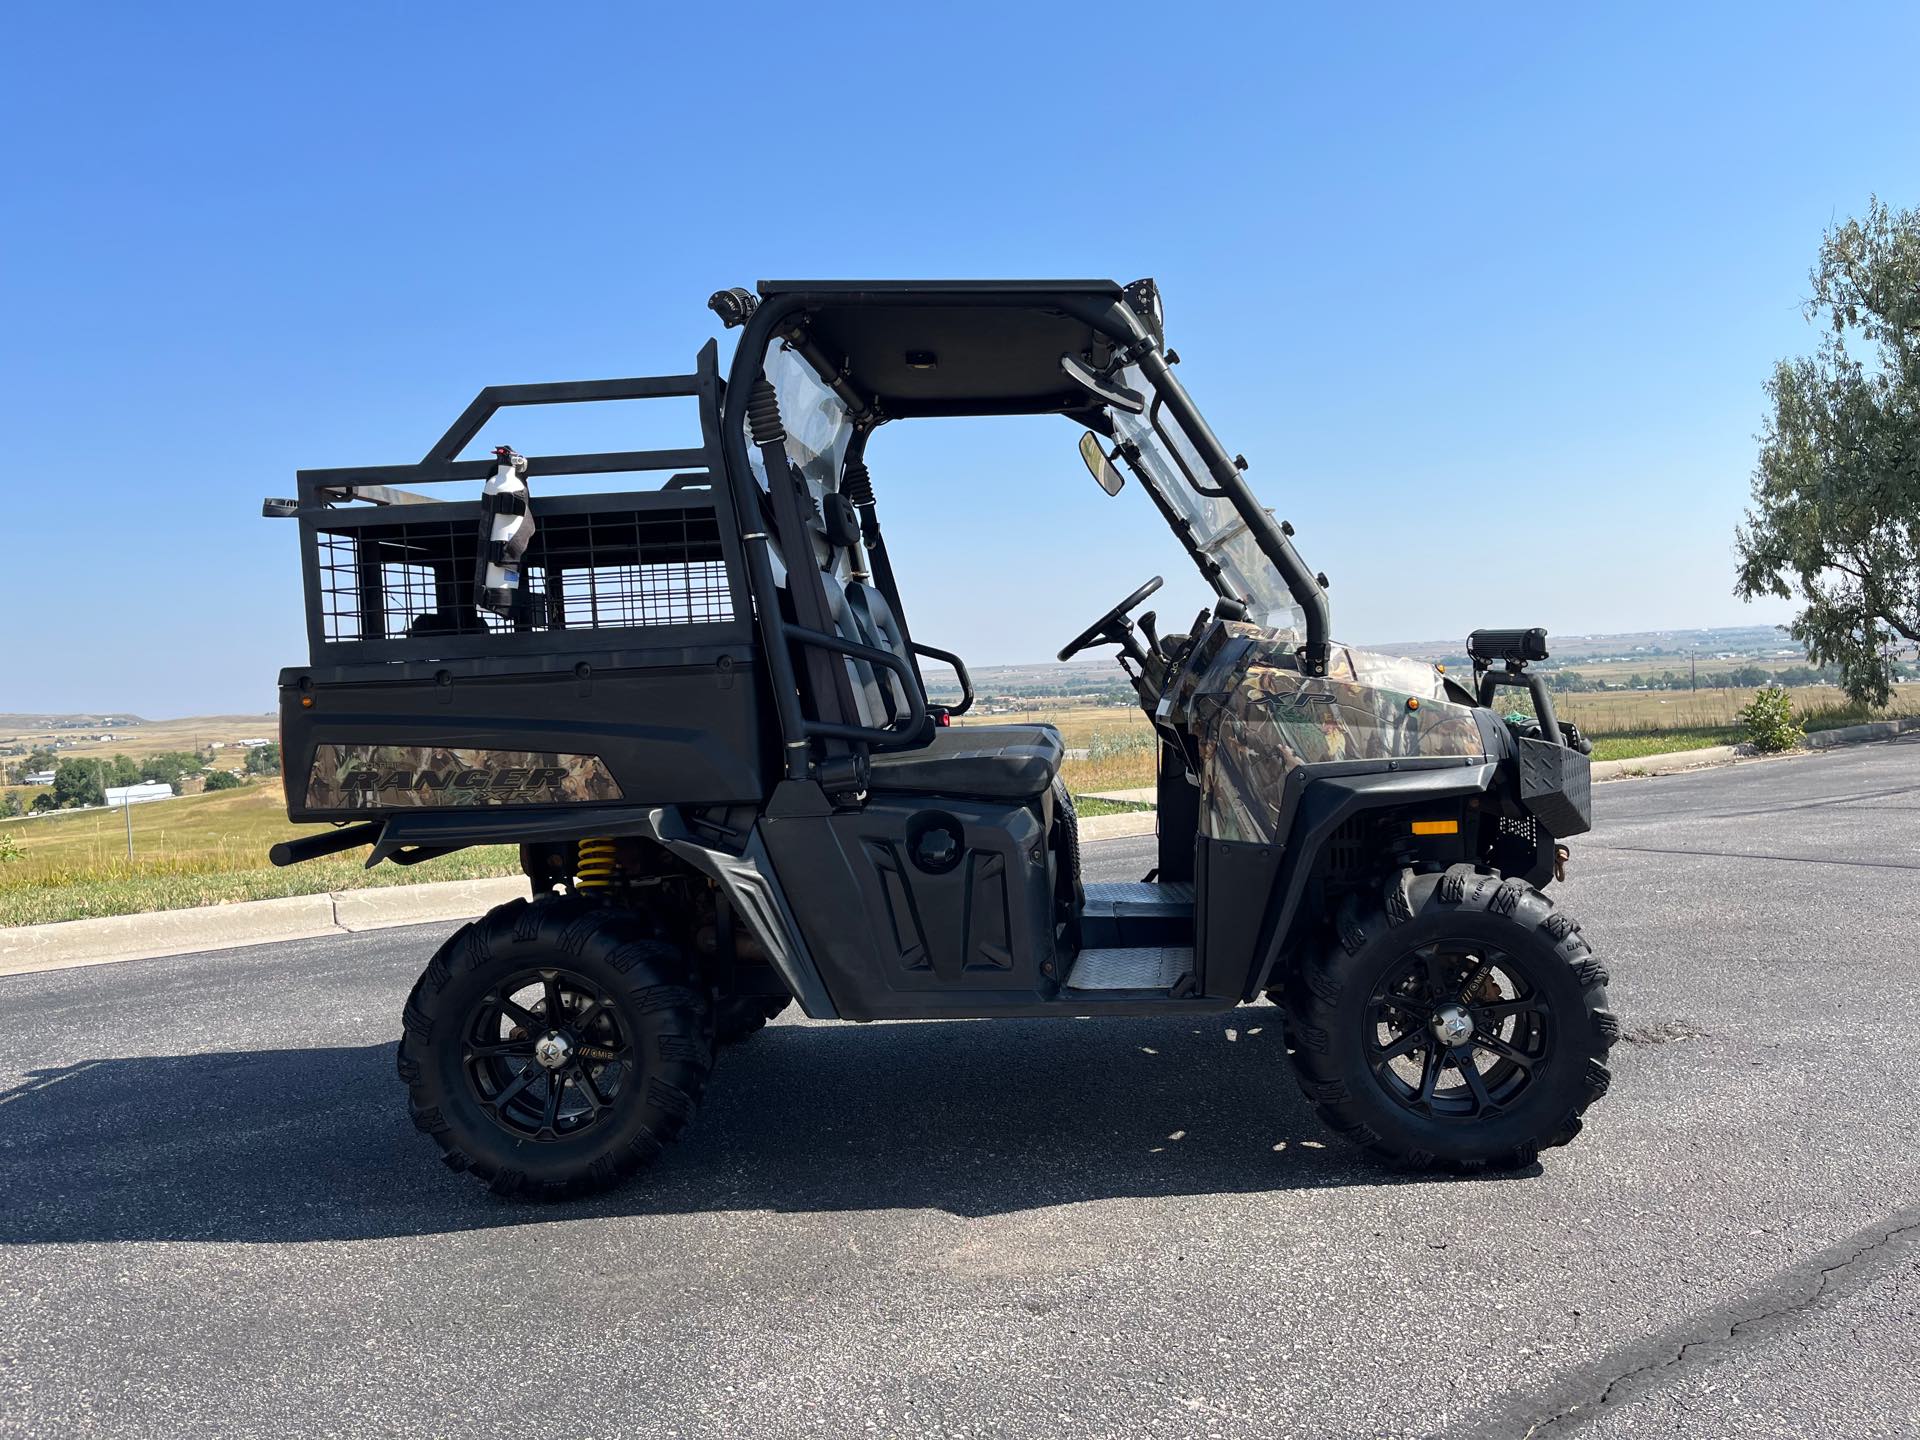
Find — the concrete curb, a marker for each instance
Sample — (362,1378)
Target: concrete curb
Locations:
(1669,763)
(1115,827)
(1860,734)
(29,949)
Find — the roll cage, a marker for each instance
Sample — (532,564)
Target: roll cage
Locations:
(891,350)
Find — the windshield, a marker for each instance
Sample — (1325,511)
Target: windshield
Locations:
(1167,458)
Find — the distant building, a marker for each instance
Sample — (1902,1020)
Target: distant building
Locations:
(38,777)
(252,744)
(118,795)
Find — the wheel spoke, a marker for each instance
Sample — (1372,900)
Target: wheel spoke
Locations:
(556,1010)
(590,1092)
(1440,970)
(556,1083)
(1402,1046)
(1406,1004)
(521,1081)
(1505,1009)
(587,1016)
(519,1014)
(515,1049)
(1430,1076)
(1482,1101)
(1495,1046)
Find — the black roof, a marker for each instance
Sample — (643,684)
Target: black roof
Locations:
(953,347)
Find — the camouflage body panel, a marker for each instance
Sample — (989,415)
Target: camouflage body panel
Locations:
(1256,718)
(409,777)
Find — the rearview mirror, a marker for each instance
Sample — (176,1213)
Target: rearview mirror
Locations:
(1104,475)
(1110,392)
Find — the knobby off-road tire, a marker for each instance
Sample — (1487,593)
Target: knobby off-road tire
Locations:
(1401,962)
(735,1017)
(468,1049)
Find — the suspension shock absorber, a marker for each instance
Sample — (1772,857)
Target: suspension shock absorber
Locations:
(596,863)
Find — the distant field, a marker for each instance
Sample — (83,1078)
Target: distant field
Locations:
(152,737)
(1636,711)
(1122,728)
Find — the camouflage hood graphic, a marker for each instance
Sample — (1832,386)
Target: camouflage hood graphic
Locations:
(399,777)
(1257,718)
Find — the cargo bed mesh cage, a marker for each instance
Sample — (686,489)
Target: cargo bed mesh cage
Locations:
(390,574)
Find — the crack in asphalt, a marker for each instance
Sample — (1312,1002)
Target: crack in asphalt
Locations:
(1750,855)
(1828,1276)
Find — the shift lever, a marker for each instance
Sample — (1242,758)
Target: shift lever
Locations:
(1147,622)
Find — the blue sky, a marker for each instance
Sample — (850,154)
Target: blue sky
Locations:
(1487,296)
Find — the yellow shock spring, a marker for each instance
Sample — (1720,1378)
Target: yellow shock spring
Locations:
(595,864)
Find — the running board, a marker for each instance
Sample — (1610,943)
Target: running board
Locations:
(1165,968)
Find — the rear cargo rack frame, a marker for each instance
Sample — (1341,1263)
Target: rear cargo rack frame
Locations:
(325,508)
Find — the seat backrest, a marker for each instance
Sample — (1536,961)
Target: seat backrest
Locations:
(875,616)
(868,696)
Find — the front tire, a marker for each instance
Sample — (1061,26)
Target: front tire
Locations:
(1459,1022)
(552,1047)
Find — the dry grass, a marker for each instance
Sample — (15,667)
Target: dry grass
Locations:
(197,850)
(1639,711)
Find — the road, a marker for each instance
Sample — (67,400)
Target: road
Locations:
(216,1218)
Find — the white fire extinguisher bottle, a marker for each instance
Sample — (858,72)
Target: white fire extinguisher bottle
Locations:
(507,531)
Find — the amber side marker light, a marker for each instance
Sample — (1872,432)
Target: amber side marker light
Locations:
(1436,827)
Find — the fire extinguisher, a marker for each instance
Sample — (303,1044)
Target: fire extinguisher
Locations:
(506,529)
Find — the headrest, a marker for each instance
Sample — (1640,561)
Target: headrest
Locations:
(837,517)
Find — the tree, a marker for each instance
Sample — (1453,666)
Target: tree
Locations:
(78,782)
(263,760)
(121,771)
(1836,490)
(44,801)
(9,804)
(170,766)
(223,780)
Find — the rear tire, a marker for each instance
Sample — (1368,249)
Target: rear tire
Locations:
(552,1047)
(735,1017)
(1378,1020)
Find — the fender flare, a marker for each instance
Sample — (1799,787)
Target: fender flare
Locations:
(1326,803)
(746,879)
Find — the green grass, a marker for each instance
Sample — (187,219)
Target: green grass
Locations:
(1633,746)
(1086,806)
(1838,715)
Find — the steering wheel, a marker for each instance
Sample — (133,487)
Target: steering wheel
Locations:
(1115,621)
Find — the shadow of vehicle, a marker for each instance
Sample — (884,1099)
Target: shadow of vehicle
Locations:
(972,1119)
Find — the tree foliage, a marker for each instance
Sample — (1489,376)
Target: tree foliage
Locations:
(171,766)
(223,780)
(264,760)
(1836,491)
(79,782)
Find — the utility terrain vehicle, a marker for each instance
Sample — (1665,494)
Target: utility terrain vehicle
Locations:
(697,707)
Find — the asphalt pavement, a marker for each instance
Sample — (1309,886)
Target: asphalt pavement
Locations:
(216,1219)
